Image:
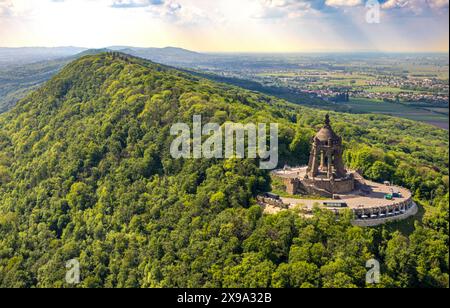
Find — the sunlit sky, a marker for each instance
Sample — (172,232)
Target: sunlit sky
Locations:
(227,25)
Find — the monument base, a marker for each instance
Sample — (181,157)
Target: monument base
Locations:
(297,183)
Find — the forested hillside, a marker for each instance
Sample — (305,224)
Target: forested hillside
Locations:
(86,173)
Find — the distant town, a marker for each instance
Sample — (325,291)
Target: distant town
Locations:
(331,85)
(410,86)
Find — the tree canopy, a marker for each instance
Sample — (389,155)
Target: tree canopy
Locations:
(86,173)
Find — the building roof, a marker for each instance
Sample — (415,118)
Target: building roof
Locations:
(327,133)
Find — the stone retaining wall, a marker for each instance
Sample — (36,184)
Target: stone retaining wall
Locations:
(384,210)
(410,211)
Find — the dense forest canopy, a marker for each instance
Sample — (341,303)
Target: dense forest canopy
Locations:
(86,173)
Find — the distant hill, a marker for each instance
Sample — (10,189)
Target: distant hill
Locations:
(26,55)
(90,52)
(22,69)
(14,87)
(168,55)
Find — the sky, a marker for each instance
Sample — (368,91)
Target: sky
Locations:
(230,25)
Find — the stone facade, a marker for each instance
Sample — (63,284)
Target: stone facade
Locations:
(322,187)
(384,214)
(326,160)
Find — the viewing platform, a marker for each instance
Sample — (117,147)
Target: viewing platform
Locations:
(370,206)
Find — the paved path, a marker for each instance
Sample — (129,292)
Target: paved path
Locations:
(358,199)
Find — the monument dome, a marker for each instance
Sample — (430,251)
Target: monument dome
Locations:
(326,155)
(326,133)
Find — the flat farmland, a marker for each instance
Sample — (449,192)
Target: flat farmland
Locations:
(437,117)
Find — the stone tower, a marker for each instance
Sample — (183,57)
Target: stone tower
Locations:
(326,155)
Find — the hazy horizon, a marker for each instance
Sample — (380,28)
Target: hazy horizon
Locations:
(236,52)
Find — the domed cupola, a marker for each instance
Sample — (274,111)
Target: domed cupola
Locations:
(326,133)
(326,154)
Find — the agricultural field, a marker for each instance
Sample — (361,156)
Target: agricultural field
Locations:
(410,86)
(434,116)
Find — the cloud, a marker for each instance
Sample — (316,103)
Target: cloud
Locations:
(6,8)
(416,7)
(181,14)
(15,8)
(125,4)
(169,10)
(439,4)
(274,9)
(298,8)
(343,3)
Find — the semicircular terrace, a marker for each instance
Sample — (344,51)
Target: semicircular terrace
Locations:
(368,201)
